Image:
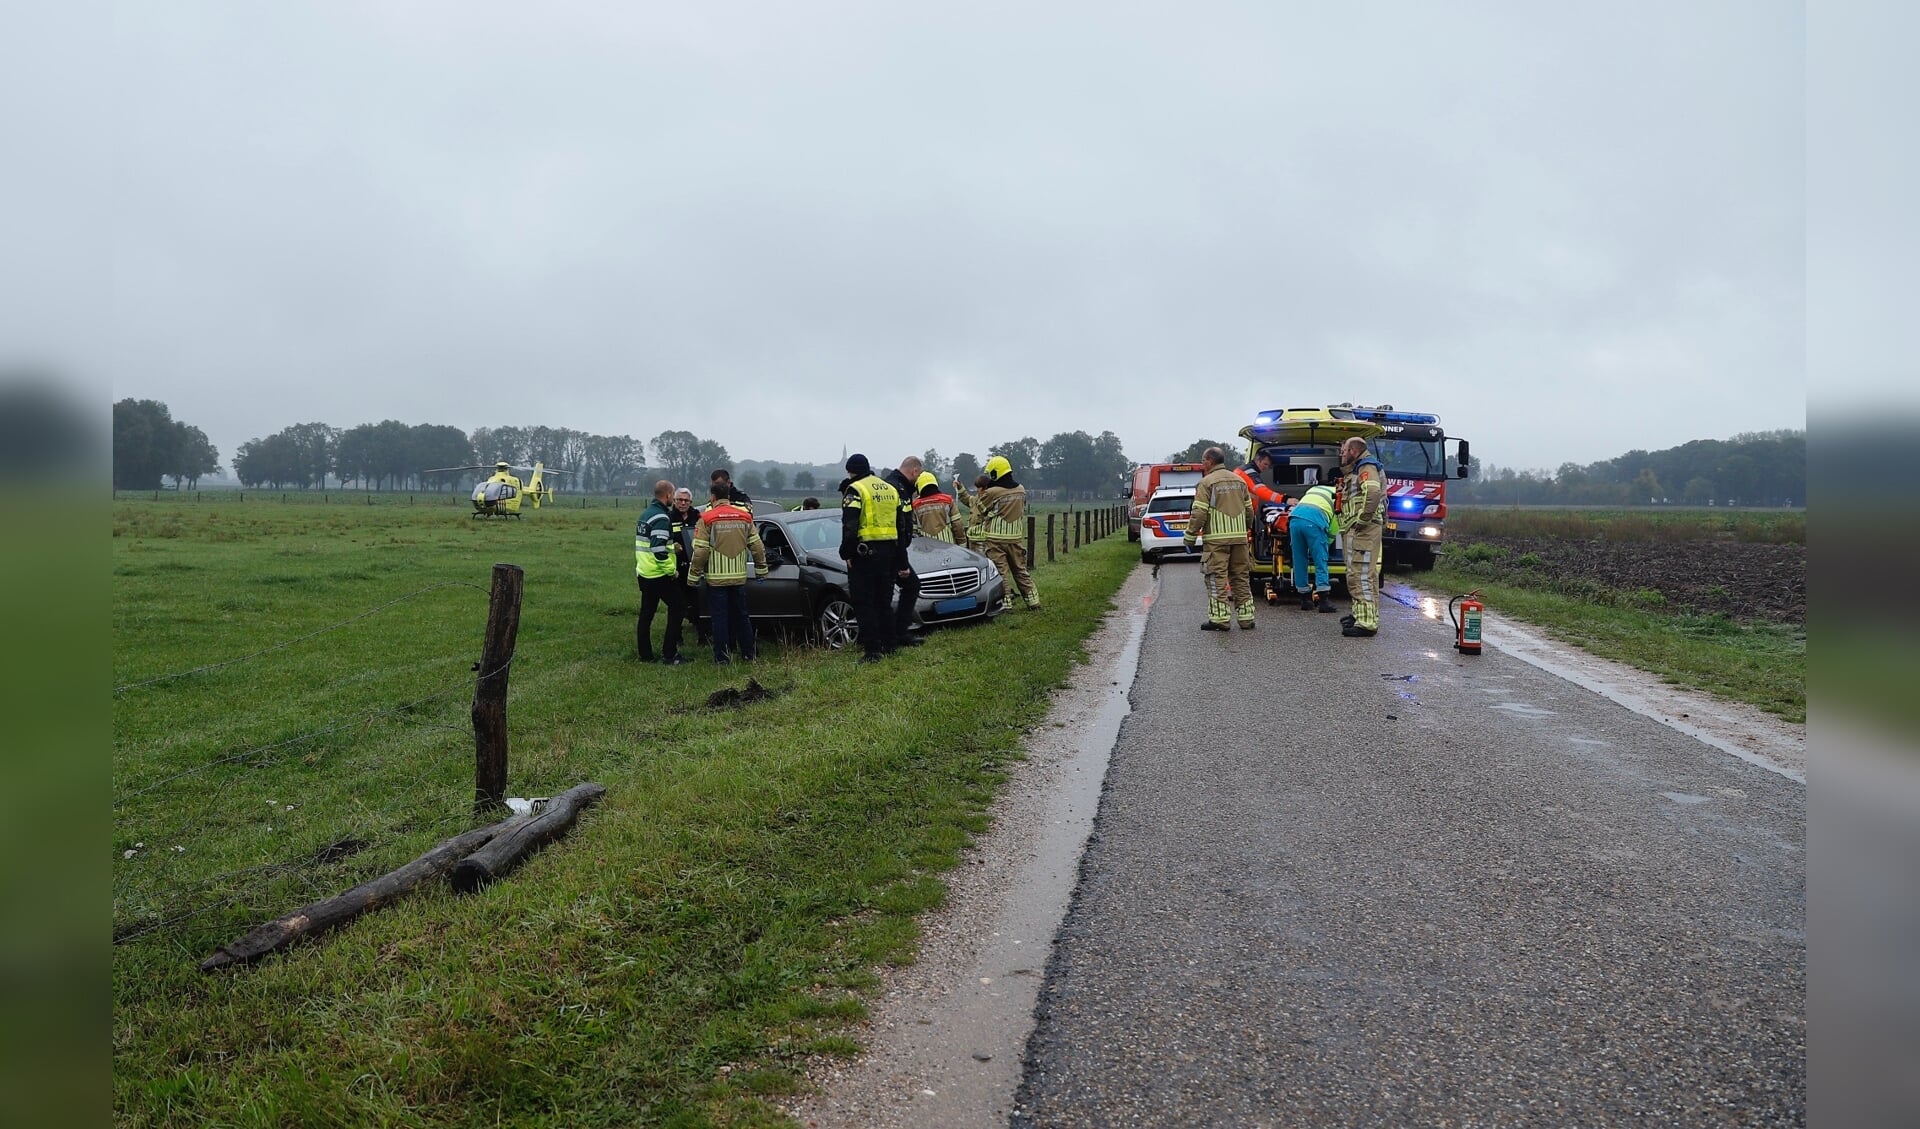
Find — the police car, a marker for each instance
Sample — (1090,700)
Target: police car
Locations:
(1163,525)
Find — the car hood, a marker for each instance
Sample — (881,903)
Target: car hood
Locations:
(926,553)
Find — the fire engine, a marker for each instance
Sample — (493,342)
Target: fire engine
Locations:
(1413,448)
(1304,445)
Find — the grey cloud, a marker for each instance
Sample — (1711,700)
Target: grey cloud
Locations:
(792,229)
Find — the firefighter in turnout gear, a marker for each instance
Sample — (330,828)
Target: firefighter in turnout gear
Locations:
(870,546)
(1363,497)
(906,583)
(723,541)
(1222,510)
(932,510)
(657,568)
(966,517)
(1000,530)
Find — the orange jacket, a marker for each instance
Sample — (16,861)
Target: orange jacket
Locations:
(1260,490)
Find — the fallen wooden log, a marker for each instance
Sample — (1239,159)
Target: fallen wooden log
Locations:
(507,850)
(331,913)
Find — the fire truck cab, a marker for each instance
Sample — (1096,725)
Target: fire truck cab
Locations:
(1414,449)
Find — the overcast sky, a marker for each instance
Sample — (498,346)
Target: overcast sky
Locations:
(1569,228)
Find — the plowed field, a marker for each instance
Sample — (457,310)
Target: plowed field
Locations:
(1744,580)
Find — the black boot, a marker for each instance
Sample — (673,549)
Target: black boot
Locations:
(1212,626)
(1355,631)
(1326,603)
(1306,601)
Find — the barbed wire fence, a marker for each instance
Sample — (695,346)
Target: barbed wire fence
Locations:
(251,831)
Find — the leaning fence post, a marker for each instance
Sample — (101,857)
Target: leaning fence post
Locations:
(490,690)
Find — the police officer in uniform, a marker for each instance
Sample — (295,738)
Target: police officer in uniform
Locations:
(871,548)
(686,519)
(906,582)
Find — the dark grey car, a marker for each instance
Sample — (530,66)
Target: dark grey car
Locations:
(806,584)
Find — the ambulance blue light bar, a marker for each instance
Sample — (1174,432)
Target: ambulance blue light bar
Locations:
(1388,415)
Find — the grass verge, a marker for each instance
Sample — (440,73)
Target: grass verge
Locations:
(673,962)
(1762,664)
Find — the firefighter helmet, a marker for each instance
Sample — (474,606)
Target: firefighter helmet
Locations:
(927,478)
(998,467)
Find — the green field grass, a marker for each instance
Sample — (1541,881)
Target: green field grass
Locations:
(1762,664)
(705,929)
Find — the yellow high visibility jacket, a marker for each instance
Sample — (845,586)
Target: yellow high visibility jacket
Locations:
(655,549)
(879,506)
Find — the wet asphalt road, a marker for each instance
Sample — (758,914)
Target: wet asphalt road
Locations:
(1341,881)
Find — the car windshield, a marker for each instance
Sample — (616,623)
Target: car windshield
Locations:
(1171,504)
(814,534)
(1412,458)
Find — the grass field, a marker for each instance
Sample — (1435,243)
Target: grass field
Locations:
(672,962)
(1640,589)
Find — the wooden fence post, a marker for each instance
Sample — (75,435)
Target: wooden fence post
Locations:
(490,690)
(1031,522)
(1049,536)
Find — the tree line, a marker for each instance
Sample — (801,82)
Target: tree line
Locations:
(1765,468)
(149,445)
(390,455)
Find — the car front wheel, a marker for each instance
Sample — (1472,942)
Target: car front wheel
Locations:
(835,623)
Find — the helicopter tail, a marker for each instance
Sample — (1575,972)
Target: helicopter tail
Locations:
(536,486)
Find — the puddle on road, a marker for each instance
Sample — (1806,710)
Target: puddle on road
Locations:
(1522,709)
(1686,797)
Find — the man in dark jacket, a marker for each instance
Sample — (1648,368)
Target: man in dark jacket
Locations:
(906,584)
(686,520)
(735,496)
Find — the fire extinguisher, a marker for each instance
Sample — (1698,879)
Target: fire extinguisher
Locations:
(1466,625)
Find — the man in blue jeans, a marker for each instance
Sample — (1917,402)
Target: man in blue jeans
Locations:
(1312,526)
(726,550)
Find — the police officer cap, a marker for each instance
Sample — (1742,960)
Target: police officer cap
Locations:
(858,465)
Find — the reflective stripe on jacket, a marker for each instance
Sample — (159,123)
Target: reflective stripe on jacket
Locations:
(879,506)
(722,542)
(1220,508)
(933,514)
(1002,514)
(654,553)
(1365,494)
